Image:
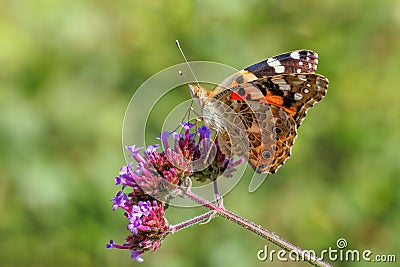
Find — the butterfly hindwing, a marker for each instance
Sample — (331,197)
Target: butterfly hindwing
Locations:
(271,110)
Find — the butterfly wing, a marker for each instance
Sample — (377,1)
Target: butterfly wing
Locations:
(294,93)
(270,109)
(298,61)
(258,110)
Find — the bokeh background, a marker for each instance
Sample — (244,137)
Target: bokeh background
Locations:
(69,68)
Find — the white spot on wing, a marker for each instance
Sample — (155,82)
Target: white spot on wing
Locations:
(298,96)
(279,69)
(273,62)
(302,77)
(300,63)
(284,87)
(295,55)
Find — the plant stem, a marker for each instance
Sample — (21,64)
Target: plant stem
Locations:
(280,242)
(193,221)
(218,198)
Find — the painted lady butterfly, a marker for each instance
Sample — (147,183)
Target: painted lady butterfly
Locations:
(257,111)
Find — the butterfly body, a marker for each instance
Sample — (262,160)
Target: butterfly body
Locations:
(257,111)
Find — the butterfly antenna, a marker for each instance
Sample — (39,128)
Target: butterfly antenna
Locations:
(190,68)
(187,113)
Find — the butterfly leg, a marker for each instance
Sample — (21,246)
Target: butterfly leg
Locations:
(210,149)
(186,116)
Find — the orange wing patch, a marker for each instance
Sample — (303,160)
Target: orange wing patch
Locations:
(249,92)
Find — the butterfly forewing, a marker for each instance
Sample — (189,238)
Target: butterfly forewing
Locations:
(298,92)
(299,61)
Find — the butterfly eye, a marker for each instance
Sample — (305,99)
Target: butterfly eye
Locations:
(265,154)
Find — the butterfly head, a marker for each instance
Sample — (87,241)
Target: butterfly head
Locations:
(199,94)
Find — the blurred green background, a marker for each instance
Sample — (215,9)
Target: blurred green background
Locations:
(69,69)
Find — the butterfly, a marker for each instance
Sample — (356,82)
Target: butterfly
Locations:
(257,111)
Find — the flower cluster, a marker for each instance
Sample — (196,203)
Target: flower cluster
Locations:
(202,156)
(155,178)
(147,226)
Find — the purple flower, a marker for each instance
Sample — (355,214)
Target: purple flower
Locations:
(135,153)
(204,132)
(145,207)
(119,200)
(111,244)
(135,211)
(136,215)
(134,223)
(164,138)
(155,178)
(147,226)
(152,149)
(135,255)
